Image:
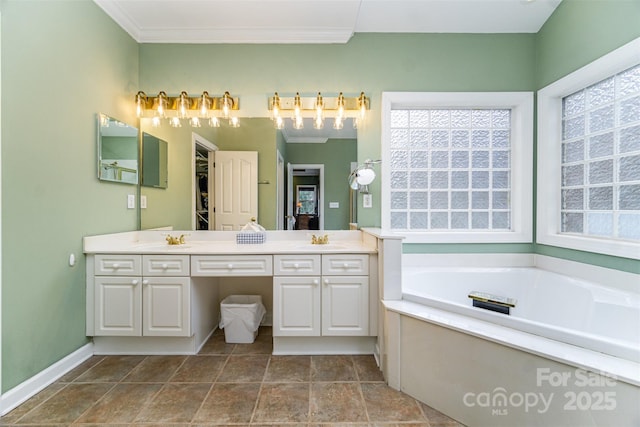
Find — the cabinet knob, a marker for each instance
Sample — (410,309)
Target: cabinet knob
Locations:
(145,282)
(296,265)
(115,266)
(165,266)
(326,281)
(345,265)
(315,281)
(134,282)
(230,266)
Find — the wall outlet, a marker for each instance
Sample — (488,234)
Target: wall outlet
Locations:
(131,201)
(334,205)
(143,202)
(367,201)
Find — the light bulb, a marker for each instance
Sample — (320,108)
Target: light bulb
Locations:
(162,104)
(365,176)
(340,105)
(205,104)
(297,122)
(227,104)
(141,99)
(234,122)
(338,123)
(275,107)
(174,122)
(183,105)
(279,123)
(156,122)
(297,105)
(195,122)
(214,122)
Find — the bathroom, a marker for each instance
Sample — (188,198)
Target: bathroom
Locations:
(72,61)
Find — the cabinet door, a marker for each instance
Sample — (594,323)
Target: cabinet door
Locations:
(117,308)
(296,306)
(166,309)
(345,305)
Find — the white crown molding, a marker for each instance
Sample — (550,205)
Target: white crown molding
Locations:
(246,35)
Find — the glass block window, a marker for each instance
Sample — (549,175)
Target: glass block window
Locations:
(600,175)
(450,169)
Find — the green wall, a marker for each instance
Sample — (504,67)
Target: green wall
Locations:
(73,60)
(62,63)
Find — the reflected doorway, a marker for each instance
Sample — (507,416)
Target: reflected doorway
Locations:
(202,183)
(305,195)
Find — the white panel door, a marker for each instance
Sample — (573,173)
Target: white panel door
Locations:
(236,189)
(166,310)
(296,306)
(118,306)
(345,305)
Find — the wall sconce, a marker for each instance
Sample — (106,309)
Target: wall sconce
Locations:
(318,107)
(184,107)
(362,176)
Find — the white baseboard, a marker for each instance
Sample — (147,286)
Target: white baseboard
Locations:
(25,390)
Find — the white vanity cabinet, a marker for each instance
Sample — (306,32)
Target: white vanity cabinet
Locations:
(321,295)
(141,295)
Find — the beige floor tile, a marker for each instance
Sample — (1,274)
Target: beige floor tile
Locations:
(110,369)
(121,404)
(229,403)
(155,369)
(337,403)
(174,403)
(367,368)
(283,403)
(249,368)
(217,345)
(332,368)
(67,405)
(199,369)
(289,369)
(385,404)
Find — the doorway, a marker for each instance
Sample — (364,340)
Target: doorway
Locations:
(202,183)
(305,195)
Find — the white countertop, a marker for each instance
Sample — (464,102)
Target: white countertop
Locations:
(224,242)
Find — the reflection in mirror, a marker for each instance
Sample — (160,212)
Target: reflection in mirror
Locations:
(117,151)
(174,206)
(154,162)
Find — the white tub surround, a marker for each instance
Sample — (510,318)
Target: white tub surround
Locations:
(566,355)
(145,296)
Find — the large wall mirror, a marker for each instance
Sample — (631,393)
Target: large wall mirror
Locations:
(117,151)
(174,206)
(154,162)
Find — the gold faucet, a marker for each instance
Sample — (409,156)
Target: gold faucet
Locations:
(175,240)
(319,240)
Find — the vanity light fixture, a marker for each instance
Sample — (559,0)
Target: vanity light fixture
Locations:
(184,107)
(318,107)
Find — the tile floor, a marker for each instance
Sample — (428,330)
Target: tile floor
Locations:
(225,384)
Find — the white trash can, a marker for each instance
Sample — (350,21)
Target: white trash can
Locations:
(240,317)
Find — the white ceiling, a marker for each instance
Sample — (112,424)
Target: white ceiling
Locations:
(318,21)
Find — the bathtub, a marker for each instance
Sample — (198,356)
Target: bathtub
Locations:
(550,305)
(567,354)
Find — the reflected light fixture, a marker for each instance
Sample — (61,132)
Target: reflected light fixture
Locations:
(184,107)
(317,108)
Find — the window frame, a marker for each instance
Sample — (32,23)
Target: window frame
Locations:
(550,153)
(521,106)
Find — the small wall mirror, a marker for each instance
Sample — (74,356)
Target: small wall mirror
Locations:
(117,151)
(154,162)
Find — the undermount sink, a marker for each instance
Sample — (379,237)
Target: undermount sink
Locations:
(315,247)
